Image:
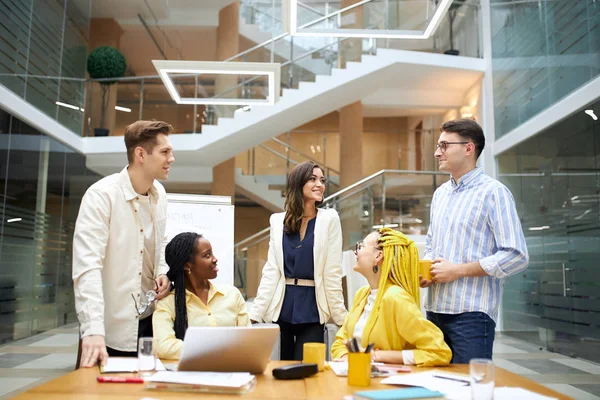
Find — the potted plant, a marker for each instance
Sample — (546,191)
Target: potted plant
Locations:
(103,63)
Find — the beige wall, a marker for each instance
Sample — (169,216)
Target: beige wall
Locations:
(249,220)
(386,145)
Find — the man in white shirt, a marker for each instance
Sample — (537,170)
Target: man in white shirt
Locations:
(118,247)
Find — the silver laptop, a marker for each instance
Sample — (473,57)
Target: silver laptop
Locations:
(228,348)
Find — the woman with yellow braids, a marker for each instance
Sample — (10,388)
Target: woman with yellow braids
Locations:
(387,311)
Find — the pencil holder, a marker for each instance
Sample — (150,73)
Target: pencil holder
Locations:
(359,369)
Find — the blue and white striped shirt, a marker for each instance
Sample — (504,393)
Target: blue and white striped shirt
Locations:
(474,219)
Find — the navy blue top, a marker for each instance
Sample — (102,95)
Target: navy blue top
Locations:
(299,302)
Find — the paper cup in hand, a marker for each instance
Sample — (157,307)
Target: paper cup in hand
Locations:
(425,269)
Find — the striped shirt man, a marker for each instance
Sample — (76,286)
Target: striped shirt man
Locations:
(474,219)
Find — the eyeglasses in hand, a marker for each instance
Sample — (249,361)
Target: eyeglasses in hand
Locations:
(145,301)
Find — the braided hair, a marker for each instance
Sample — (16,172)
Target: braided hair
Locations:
(400,262)
(400,267)
(179,251)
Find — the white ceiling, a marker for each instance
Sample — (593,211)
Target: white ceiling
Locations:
(167,12)
(421,90)
(380,112)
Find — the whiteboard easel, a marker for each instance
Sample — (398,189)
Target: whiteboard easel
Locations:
(210,216)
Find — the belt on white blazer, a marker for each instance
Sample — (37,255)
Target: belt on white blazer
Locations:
(299,282)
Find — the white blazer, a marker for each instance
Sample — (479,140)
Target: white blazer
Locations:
(328,271)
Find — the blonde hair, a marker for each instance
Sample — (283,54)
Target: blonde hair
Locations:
(400,262)
(400,267)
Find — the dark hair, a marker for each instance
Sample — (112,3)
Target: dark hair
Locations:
(467,129)
(294,197)
(143,134)
(180,250)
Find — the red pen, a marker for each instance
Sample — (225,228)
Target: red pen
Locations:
(119,379)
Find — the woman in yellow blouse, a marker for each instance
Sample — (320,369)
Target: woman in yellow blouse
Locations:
(387,311)
(195,301)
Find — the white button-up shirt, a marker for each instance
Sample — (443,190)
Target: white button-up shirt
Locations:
(108,248)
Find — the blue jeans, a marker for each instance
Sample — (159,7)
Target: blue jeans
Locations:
(469,335)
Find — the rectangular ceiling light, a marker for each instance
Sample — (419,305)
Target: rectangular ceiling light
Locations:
(271,70)
(305,30)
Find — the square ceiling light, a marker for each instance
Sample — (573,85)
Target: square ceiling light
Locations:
(305,30)
(169,68)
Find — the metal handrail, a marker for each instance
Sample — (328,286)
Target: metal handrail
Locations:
(283,65)
(344,191)
(283,156)
(281,142)
(310,8)
(335,13)
(381,172)
(278,154)
(323,18)
(263,12)
(258,46)
(251,237)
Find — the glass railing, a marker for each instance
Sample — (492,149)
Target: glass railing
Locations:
(301,60)
(394,198)
(266,15)
(271,161)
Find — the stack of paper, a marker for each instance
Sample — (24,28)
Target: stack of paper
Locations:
(209,382)
(340,368)
(432,380)
(125,364)
(457,387)
(500,393)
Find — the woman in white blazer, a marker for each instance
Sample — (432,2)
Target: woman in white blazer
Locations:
(301,284)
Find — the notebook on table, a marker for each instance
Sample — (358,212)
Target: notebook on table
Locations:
(397,394)
(202,382)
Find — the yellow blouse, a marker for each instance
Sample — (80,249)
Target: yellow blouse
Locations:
(225,307)
(400,325)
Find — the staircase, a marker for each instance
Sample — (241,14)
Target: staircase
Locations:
(258,192)
(231,136)
(261,27)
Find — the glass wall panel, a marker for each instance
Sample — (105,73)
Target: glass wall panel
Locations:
(542,51)
(41,185)
(43,50)
(555,179)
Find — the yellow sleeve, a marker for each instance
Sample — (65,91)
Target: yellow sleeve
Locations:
(166,344)
(338,348)
(242,319)
(430,349)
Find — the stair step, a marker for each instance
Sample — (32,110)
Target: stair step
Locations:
(352,64)
(288,91)
(322,78)
(304,85)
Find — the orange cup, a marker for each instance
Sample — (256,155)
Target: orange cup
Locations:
(425,269)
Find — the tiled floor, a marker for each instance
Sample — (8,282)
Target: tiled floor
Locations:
(29,362)
(32,361)
(573,377)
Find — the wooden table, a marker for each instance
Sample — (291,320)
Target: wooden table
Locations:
(81,384)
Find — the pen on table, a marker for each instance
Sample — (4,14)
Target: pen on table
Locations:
(369,347)
(453,379)
(119,379)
